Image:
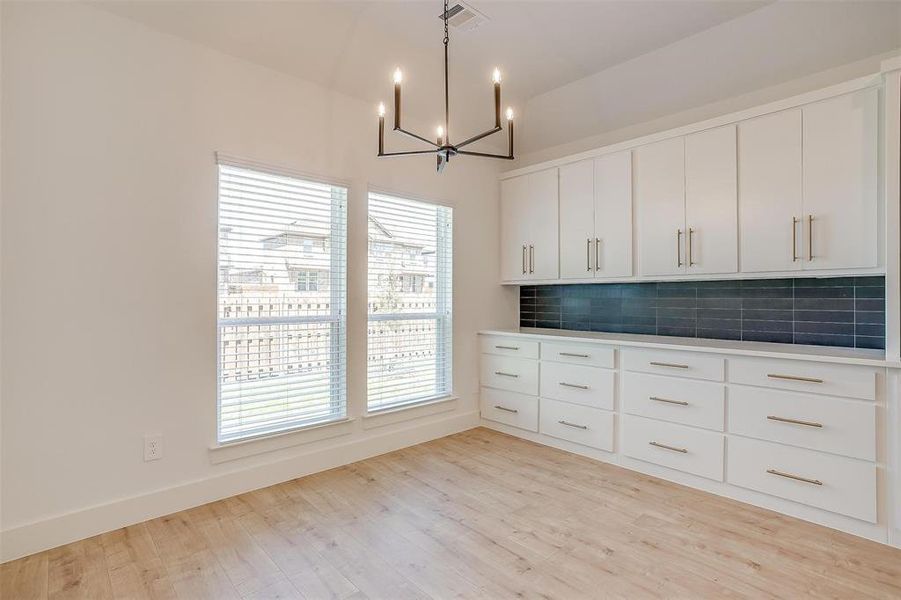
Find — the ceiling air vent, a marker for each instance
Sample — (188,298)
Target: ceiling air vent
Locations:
(463,17)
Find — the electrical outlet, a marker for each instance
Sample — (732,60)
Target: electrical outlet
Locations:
(153,447)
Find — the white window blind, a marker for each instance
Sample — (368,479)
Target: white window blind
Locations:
(410,290)
(281,302)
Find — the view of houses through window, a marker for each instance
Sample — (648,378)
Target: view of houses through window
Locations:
(410,333)
(281,302)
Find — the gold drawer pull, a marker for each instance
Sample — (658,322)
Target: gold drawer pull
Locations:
(502,374)
(794,378)
(574,385)
(505,409)
(795,477)
(668,401)
(663,364)
(568,424)
(665,447)
(575,355)
(507,347)
(794,421)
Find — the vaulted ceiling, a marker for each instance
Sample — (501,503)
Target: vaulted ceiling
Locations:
(559,57)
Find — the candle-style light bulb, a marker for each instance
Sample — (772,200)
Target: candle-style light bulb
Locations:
(398,76)
(440,131)
(496,77)
(509,114)
(381,109)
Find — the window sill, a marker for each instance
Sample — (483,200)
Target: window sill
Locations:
(220,453)
(407,412)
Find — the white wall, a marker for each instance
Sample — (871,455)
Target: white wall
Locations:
(109,265)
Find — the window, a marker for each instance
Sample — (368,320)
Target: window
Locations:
(281,309)
(410,332)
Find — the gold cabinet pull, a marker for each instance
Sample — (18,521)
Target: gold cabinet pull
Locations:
(507,347)
(794,421)
(795,477)
(568,424)
(588,254)
(691,259)
(575,355)
(531,259)
(523,259)
(809,237)
(794,378)
(574,385)
(678,247)
(502,374)
(597,259)
(668,401)
(505,409)
(668,447)
(664,364)
(795,238)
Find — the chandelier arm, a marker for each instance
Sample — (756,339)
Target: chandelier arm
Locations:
(418,137)
(485,154)
(476,138)
(409,152)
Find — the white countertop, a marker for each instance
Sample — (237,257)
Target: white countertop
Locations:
(855,356)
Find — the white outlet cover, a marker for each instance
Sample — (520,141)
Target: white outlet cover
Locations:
(153,447)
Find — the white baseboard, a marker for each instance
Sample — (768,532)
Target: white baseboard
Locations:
(50,533)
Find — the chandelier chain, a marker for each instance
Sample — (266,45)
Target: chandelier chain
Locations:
(446,37)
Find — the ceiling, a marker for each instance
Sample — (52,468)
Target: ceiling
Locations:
(542,47)
(353,47)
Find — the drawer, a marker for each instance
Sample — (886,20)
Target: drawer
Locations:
(800,376)
(668,362)
(834,425)
(574,383)
(508,346)
(580,424)
(578,354)
(511,374)
(834,483)
(674,446)
(685,401)
(510,408)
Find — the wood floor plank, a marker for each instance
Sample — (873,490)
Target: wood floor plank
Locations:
(475,515)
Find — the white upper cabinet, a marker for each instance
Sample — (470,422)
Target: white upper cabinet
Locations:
(596,217)
(769,183)
(711,206)
(840,181)
(613,215)
(544,249)
(660,202)
(529,236)
(577,220)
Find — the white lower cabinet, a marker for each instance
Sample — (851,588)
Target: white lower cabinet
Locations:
(696,403)
(793,431)
(683,448)
(510,408)
(577,384)
(846,427)
(842,485)
(580,424)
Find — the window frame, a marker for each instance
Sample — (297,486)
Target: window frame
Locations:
(444,304)
(338,295)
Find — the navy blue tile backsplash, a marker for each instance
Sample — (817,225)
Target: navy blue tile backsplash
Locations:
(835,311)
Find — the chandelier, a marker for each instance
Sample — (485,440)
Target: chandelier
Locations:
(442,147)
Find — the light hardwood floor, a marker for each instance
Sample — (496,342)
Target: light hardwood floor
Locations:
(474,515)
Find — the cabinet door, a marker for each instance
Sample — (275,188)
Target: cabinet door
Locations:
(543,206)
(711,205)
(613,215)
(577,220)
(514,228)
(769,192)
(840,154)
(660,201)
